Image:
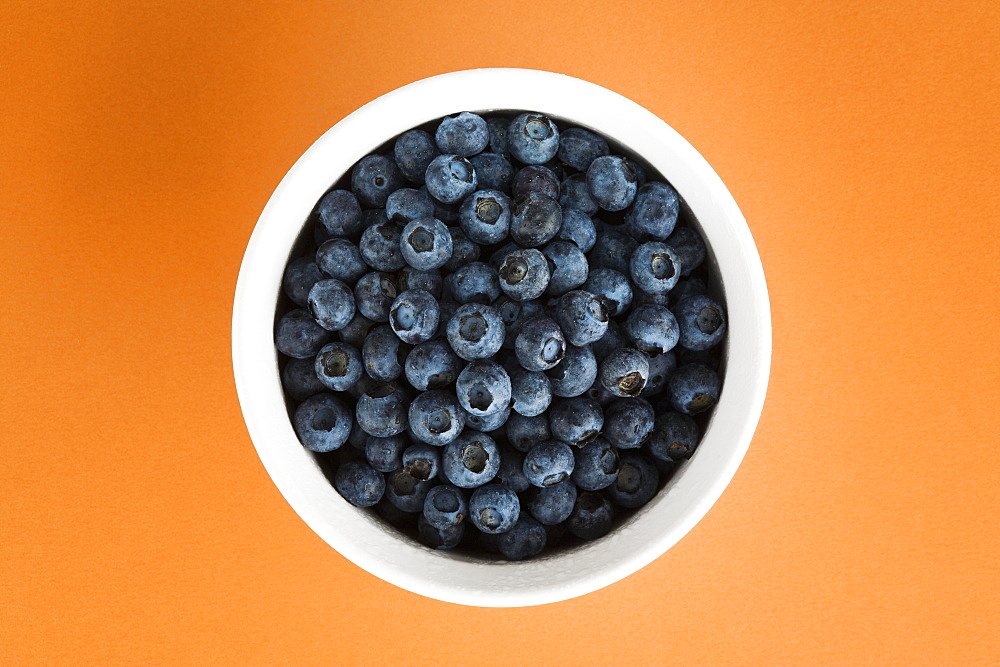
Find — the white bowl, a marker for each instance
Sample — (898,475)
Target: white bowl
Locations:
(380,549)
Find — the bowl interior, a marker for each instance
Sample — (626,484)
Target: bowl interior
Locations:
(641,537)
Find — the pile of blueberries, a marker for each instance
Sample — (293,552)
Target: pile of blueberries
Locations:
(508,328)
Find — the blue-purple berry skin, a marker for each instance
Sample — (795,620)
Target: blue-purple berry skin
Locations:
(536,219)
(432,365)
(532,138)
(628,422)
(374,294)
(382,354)
(339,214)
(550,505)
(636,483)
(413,151)
(359,483)
(548,463)
(579,147)
(568,267)
(577,228)
(341,259)
(374,178)
(299,379)
(525,540)
(653,215)
(702,322)
(693,388)
(422,461)
(322,423)
(575,373)
(475,282)
(576,420)
(531,391)
(675,436)
(653,329)
(624,372)
(613,286)
(414,315)
(483,387)
(582,317)
(591,517)
(574,194)
(475,331)
(464,134)
(493,171)
(381,411)
(654,267)
(409,204)
(523,433)
(435,417)
(540,344)
(379,245)
(597,464)
(385,454)
(485,216)
(494,508)
(689,247)
(425,244)
(442,539)
(450,178)
(338,366)
(611,180)
(300,276)
(298,335)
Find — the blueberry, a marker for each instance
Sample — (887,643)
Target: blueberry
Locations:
(660,368)
(322,423)
(406,491)
(582,317)
(654,213)
(338,366)
(526,432)
(514,314)
(494,509)
(470,461)
(536,220)
(483,387)
(614,287)
(531,391)
(497,128)
(493,171)
(374,178)
(540,344)
(435,417)
(381,411)
(341,259)
(383,354)
(612,182)
(574,194)
(432,365)
(448,308)
(359,483)
(575,374)
(485,216)
(641,298)
(463,250)
(511,473)
(385,454)
(576,420)
(374,294)
(339,213)
(358,438)
(636,483)
(654,267)
(532,138)
(579,147)
(356,330)
(298,335)
(577,228)
(689,247)
(567,265)
(407,204)
(675,437)
(445,506)
(413,151)
(414,316)
(596,465)
(475,283)
(612,250)
(591,517)
(465,134)
(552,504)
(628,422)
(300,275)
(450,178)
(430,281)
(686,287)
(439,538)
(331,304)
(535,178)
(426,244)
(702,322)
(446,213)
(487,423)
(600,394)
(548,463)
(624,372)
(475,331)
(298,377)
(525,540)
(422,461)
(653,329)
(524,274)
(379,246)
(693,388)
(614,338)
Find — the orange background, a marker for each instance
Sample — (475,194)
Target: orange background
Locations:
(140,142)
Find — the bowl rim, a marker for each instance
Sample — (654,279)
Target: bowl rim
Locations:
(379,548)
